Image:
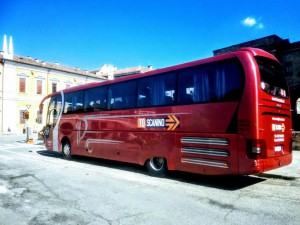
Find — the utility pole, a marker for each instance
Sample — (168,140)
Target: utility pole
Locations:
(29,138)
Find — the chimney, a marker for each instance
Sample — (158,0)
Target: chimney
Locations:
(7,54)
(10,47)
(4,45)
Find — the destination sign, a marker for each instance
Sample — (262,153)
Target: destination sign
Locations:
(171,122)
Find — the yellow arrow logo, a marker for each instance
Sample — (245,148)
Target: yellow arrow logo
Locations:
(172,122)
(282,127)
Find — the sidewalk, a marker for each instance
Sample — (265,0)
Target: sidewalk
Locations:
(20,138)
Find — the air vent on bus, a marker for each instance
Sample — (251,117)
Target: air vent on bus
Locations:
(205,151)
(205,162)
(205,141)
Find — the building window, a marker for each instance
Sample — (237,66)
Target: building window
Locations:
(39,87)
(22,85)
(22,120)
(54,87)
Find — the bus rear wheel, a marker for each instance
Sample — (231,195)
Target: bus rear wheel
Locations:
(66,150)
(156,166)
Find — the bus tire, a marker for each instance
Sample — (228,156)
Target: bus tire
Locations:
(66,150)
(157,166)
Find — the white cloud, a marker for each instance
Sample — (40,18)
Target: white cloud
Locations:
(253,22)
(249,22)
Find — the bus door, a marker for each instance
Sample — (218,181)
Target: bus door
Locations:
(52,125)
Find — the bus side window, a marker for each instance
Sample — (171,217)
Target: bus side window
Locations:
(100,98)
(210,83)
(156,90)
(186,87)
(78,101)
(168,100)
(54,110)
(68,106)
(89,101)
(122,95)
(97,105)
(95,99)
(144,97)
(90,107)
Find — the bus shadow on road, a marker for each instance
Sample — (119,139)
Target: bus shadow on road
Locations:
(50,154)
(228,182)
(225,182)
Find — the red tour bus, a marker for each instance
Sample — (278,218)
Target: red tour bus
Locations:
(228,114)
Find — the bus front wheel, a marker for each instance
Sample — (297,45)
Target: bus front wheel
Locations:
(66,150)
(156,166)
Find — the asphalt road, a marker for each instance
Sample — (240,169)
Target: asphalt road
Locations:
(39,187)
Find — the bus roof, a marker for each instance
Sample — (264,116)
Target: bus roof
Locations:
(253,51)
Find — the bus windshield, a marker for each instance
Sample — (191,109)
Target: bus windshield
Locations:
(272,78)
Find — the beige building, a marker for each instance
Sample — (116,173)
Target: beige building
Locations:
(24,81)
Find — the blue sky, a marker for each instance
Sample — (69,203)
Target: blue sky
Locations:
(128,33)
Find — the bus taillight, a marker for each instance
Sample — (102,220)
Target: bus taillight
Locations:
(256,148)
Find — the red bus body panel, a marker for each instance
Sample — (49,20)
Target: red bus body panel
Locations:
(198,140)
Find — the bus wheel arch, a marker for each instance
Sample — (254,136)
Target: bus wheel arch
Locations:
(157,166)
(66,148)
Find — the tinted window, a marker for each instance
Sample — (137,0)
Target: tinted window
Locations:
(74,102)
(78,100)
(122,95)
(156,90)
(68,107)
(210,83)
(54,109)
(272,79)
(95,99)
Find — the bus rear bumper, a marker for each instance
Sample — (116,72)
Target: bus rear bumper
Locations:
(264,165)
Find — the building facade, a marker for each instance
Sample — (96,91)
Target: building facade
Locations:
(289,55)
(24,82)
